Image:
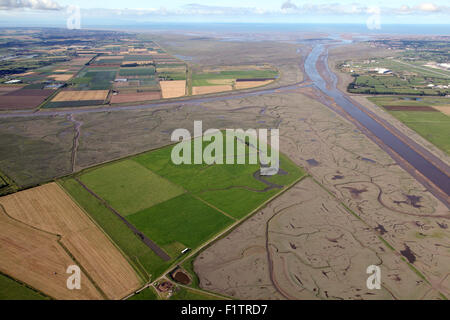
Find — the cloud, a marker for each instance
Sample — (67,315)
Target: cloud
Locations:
(200,9)
(429,7)
(423,8)
(288,5)
(29,4)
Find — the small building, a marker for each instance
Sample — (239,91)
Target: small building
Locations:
(121,80)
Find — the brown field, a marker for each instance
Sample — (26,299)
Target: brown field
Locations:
(210,89)
(170,69)
(137,50)
(135,97)
(251,84)
(222,81)
(49,209)
(173,89)
(24,74)
(444,109)
(38,259)
(61,77)
(109,57)
(81,95)
(23,99)
(8,88)
(79,61)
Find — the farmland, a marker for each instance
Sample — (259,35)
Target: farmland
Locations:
(13,290)
(393,75)
(129,187)
(425,115)
(51,228)
(154,196)
(219,79)
(131,69)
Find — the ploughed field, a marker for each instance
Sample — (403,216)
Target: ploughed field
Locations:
(43,232)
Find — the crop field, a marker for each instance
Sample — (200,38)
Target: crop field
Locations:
(137,71)
(203,78)
(425,115)
(173,89)
(98,79)
(45,225)
(225,79)
(124,97)
(81,95)
(211,89)
(24,98)
(251,84)
(38,259)
(61,77)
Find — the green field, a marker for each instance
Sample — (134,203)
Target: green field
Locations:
(176,206)
(433,126)
(231,188)
(129,187)
(13,290)
(201,79)
(409,101)
(188,294)
(146,294)
(190,222)
(95,78)
(147,71)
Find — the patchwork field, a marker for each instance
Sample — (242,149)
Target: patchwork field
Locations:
(60,227)
(149,196)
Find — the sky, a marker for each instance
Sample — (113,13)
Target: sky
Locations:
(129,12)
